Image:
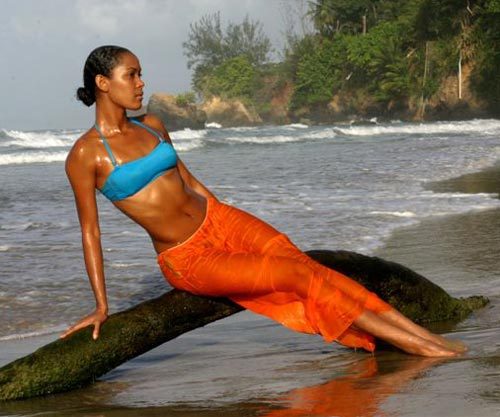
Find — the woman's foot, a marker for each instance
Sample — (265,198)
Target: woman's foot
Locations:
(385,329)
(423,347)
(452,344)
(396,318)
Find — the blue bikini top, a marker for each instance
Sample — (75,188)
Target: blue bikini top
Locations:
(130,177)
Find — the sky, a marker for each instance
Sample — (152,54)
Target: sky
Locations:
(44,44)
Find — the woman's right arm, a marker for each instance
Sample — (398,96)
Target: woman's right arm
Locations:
(81,172)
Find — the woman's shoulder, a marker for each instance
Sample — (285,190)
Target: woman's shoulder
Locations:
(152,121)
(84,147)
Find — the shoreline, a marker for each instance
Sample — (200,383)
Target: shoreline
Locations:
(227,119)
(235,112)
(457,251)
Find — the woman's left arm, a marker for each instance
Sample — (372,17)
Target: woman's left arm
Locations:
(187,177)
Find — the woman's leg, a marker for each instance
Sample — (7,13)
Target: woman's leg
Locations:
(286,248)
(235,274)
(224,274)
(244,259)
(397,319)
(382,328)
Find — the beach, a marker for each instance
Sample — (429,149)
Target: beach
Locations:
(439,217)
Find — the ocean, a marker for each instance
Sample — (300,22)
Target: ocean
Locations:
(350,187)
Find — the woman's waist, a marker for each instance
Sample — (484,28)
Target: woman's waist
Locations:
(177,224)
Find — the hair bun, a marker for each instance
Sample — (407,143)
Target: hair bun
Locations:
(85,96)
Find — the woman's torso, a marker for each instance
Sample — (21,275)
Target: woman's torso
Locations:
(167,208)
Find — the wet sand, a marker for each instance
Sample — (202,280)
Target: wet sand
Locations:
(461,254)
(458,252)
(272,372)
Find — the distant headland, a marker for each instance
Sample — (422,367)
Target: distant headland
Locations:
(415,60)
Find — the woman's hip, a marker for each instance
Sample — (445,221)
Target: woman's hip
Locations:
(225,228)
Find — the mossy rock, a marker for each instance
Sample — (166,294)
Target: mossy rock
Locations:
(412,294)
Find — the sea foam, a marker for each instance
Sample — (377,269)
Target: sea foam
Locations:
(42,332)
(47,139)
(481,126)
(263,140)
(32,157)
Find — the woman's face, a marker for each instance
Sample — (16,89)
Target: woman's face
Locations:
(125,86)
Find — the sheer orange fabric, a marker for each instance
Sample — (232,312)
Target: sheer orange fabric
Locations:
(236,255)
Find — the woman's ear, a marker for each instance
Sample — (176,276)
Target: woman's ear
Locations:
(102,83)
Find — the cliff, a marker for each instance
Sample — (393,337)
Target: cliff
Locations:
(175,115)
(230,113)
(273,105)
(445,104)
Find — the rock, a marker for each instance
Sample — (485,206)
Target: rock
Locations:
(175,116)
(274,99)
(78,360)
(445,104)
(412,294)
(230,113)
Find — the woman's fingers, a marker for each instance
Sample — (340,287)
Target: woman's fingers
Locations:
(97,328)
(72,329)
(95,319)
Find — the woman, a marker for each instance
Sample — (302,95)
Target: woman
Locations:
(204,246)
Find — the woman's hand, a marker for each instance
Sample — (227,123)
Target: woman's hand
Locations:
(96,319)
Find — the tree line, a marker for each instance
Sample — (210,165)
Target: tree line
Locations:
(389,52)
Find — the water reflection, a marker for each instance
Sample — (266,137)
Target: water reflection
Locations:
(360,393)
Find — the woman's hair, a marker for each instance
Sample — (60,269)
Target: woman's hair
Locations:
(101,60)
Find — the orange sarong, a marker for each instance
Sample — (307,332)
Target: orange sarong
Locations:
(236,255)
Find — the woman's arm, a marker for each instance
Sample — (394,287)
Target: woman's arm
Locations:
(81,171)
(187,177)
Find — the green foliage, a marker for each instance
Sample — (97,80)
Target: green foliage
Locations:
(377,62)
(186,98)
(408,49)
(486,75)
(370,55)
(319,72)
(205,44)
(437,19)
(299,49)
(492,6)
(209,46)
(389,67)
(234,78)
(331,16)
(247,39)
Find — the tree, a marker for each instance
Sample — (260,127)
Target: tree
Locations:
(234,78)
(209,45)
(332,16)
(205,44)
(486,77)
(319,71)
(379,61)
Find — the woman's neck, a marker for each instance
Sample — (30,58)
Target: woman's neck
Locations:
(110,120)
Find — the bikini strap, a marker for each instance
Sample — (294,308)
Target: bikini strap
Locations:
(106,145)
(149,129)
